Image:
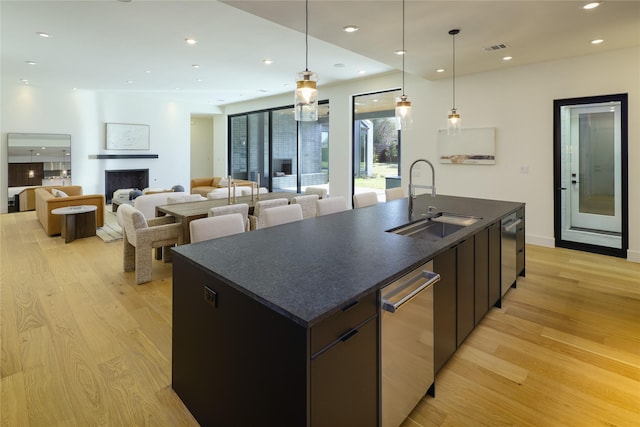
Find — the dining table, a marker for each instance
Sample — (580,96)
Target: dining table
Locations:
(186,212)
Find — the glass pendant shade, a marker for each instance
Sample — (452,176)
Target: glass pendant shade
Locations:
(306,96)
(454,125)
(404,118)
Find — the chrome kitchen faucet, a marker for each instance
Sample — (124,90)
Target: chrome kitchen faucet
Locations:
(431,187)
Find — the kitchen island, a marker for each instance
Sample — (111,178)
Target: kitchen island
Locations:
(281,326)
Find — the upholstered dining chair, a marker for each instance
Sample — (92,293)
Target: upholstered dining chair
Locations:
(241,208)
(214,227)
(257,219)
(307,203)
(141,235)
(362,200)
(394,193)
(320,191)
(282,215)
(331,205)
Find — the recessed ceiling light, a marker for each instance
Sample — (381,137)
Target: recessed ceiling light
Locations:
(196,65)
(507,58)
(31,62)
(44,35)
(362,72)
(440,70)
(37,154)
(190,40)
(129,82)
(592,5)
(199,80)
(147,71)
(350,29)
(25,81)
(400,52)
(596,41)
(267,61)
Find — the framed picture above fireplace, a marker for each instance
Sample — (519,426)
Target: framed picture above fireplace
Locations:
(122,136)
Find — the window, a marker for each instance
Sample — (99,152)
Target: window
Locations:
(288,155)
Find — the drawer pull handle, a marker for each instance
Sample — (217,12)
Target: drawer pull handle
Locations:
(348,335)
(350,306)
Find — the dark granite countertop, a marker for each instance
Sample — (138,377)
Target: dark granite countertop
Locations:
(308,269)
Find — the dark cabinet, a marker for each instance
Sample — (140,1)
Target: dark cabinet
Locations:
(520,256)
(481,276)
(344,383)
(494,264)
(465,293)
(228,348)
(444,307)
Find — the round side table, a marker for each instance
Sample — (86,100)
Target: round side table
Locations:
(77,221)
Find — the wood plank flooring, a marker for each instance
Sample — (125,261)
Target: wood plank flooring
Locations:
(82,345)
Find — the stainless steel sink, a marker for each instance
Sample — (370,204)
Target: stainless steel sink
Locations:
(437,227)
(456,219)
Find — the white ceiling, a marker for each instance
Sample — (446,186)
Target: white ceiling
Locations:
(103,44)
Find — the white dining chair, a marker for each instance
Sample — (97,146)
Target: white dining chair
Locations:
(241,208)
(320,191)
(257,219)
(214,227)
(219,193)
(172,200)
(282,215)
(307,203)
(362,200)
(331,205)
(394,193)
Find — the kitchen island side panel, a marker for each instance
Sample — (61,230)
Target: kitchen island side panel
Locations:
(235,362)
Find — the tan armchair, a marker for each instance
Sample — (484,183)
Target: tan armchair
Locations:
(141,235)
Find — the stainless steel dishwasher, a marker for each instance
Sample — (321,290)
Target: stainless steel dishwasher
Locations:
(407,343)
(508,252)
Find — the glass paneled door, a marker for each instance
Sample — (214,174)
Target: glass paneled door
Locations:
(591,175)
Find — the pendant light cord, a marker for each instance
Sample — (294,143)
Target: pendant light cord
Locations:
(306,36)
(404,52)
(454,71)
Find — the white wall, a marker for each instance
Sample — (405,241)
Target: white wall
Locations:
(201,147)
(519,103)
(83,115)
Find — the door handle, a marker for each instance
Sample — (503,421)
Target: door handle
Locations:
(573,181)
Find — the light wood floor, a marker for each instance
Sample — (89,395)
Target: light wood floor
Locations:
(83,346)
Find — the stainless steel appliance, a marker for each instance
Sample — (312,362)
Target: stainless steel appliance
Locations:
(407,343)
(509,226)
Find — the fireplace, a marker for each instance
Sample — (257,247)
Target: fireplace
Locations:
(124,178)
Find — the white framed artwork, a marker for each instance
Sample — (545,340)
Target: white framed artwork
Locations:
(473,146)
(122,136)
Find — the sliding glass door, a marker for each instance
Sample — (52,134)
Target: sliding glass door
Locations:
(285,154)
(376,143)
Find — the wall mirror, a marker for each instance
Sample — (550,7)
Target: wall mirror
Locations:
(37,159)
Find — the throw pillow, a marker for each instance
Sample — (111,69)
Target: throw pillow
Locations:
(223,182)
(59,193)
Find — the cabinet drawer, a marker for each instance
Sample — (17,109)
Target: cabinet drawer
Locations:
(342,322)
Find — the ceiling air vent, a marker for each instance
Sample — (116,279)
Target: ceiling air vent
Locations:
(498,46)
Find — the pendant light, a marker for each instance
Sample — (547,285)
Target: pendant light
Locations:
(404,118)
(32,173)
(454,127)
(306,95)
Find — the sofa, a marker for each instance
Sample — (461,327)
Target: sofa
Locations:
(28,198)
(204,186)
(46,202)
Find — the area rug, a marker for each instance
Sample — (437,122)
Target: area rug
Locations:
(111,231)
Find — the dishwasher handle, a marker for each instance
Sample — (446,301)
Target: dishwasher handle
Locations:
(393,307)
(511,224)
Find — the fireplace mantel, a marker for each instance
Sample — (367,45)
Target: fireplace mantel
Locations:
(123,156)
